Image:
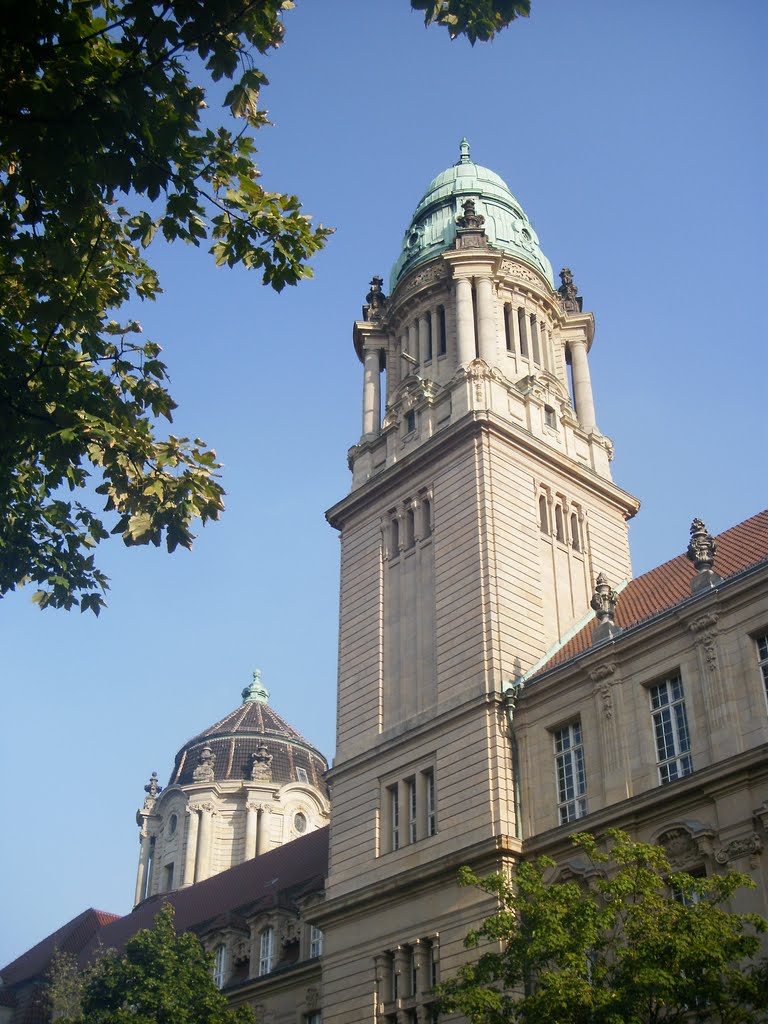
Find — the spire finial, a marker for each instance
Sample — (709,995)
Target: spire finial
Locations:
(256,692)
(464,150)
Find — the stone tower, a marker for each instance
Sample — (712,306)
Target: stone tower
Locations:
(243,786)
(481,509)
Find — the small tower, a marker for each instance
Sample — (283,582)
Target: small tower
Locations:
(243,786)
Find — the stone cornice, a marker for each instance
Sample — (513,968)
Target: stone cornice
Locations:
(482,857)
(473,423)
(672,801)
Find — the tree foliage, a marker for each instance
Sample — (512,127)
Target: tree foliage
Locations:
(106,144)
(628,944)
(475,19)
(161,977)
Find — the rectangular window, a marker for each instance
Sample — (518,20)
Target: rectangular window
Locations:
(670,723)
(266,951)
(571,777)
(394,817)
(411,787)
(431,815)
(301,775)
(762,655)
(315,941)
(168,877)
(314,1018)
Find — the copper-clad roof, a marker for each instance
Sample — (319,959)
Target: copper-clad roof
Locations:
(739,548)
(236,737)
(296,868)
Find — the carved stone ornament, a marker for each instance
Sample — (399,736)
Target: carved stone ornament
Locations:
(422,278)
(603,691)
(471,218)
(261,765)
(204,771)
(680,848)
(511,269)
(312,998)
(748,846)
(600,672)
(153,789)
(241,951)
(376,300)
(570,299)
(604,599)
(702,547)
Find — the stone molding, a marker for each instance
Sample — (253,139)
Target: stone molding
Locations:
(745,846)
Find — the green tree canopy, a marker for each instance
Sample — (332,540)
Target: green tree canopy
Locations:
(106,144)
(161,977)
(630,943)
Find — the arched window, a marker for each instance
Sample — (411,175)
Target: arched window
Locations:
(394,537)
(543,515)
(575,539)
(442,341)
(266,951)
(559,526)
(409,528)
(220,965)
(428,321)
(426,518)
(522,331)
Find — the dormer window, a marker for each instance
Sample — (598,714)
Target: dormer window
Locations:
(301,775)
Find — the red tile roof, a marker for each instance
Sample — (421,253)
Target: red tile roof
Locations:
(296,868)
(668,584)
(70,938)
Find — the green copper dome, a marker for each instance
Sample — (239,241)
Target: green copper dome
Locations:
(432,228)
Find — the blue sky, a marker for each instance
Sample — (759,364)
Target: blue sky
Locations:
(634,136)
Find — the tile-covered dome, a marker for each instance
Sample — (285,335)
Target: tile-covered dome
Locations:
(251,742)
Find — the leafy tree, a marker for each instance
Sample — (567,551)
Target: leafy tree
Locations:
(632,945)
(105,145)
(161,977)
(476,19)
(64,986)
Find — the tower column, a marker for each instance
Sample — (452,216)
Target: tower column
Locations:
(191,854)
(486,320)
(203,868)
(141,874)
(435,325)
(251,828)
(424,353)
(582,384)
(262,840)
(465,321)
(371,392)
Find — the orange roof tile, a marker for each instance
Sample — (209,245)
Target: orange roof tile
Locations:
(668,584)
